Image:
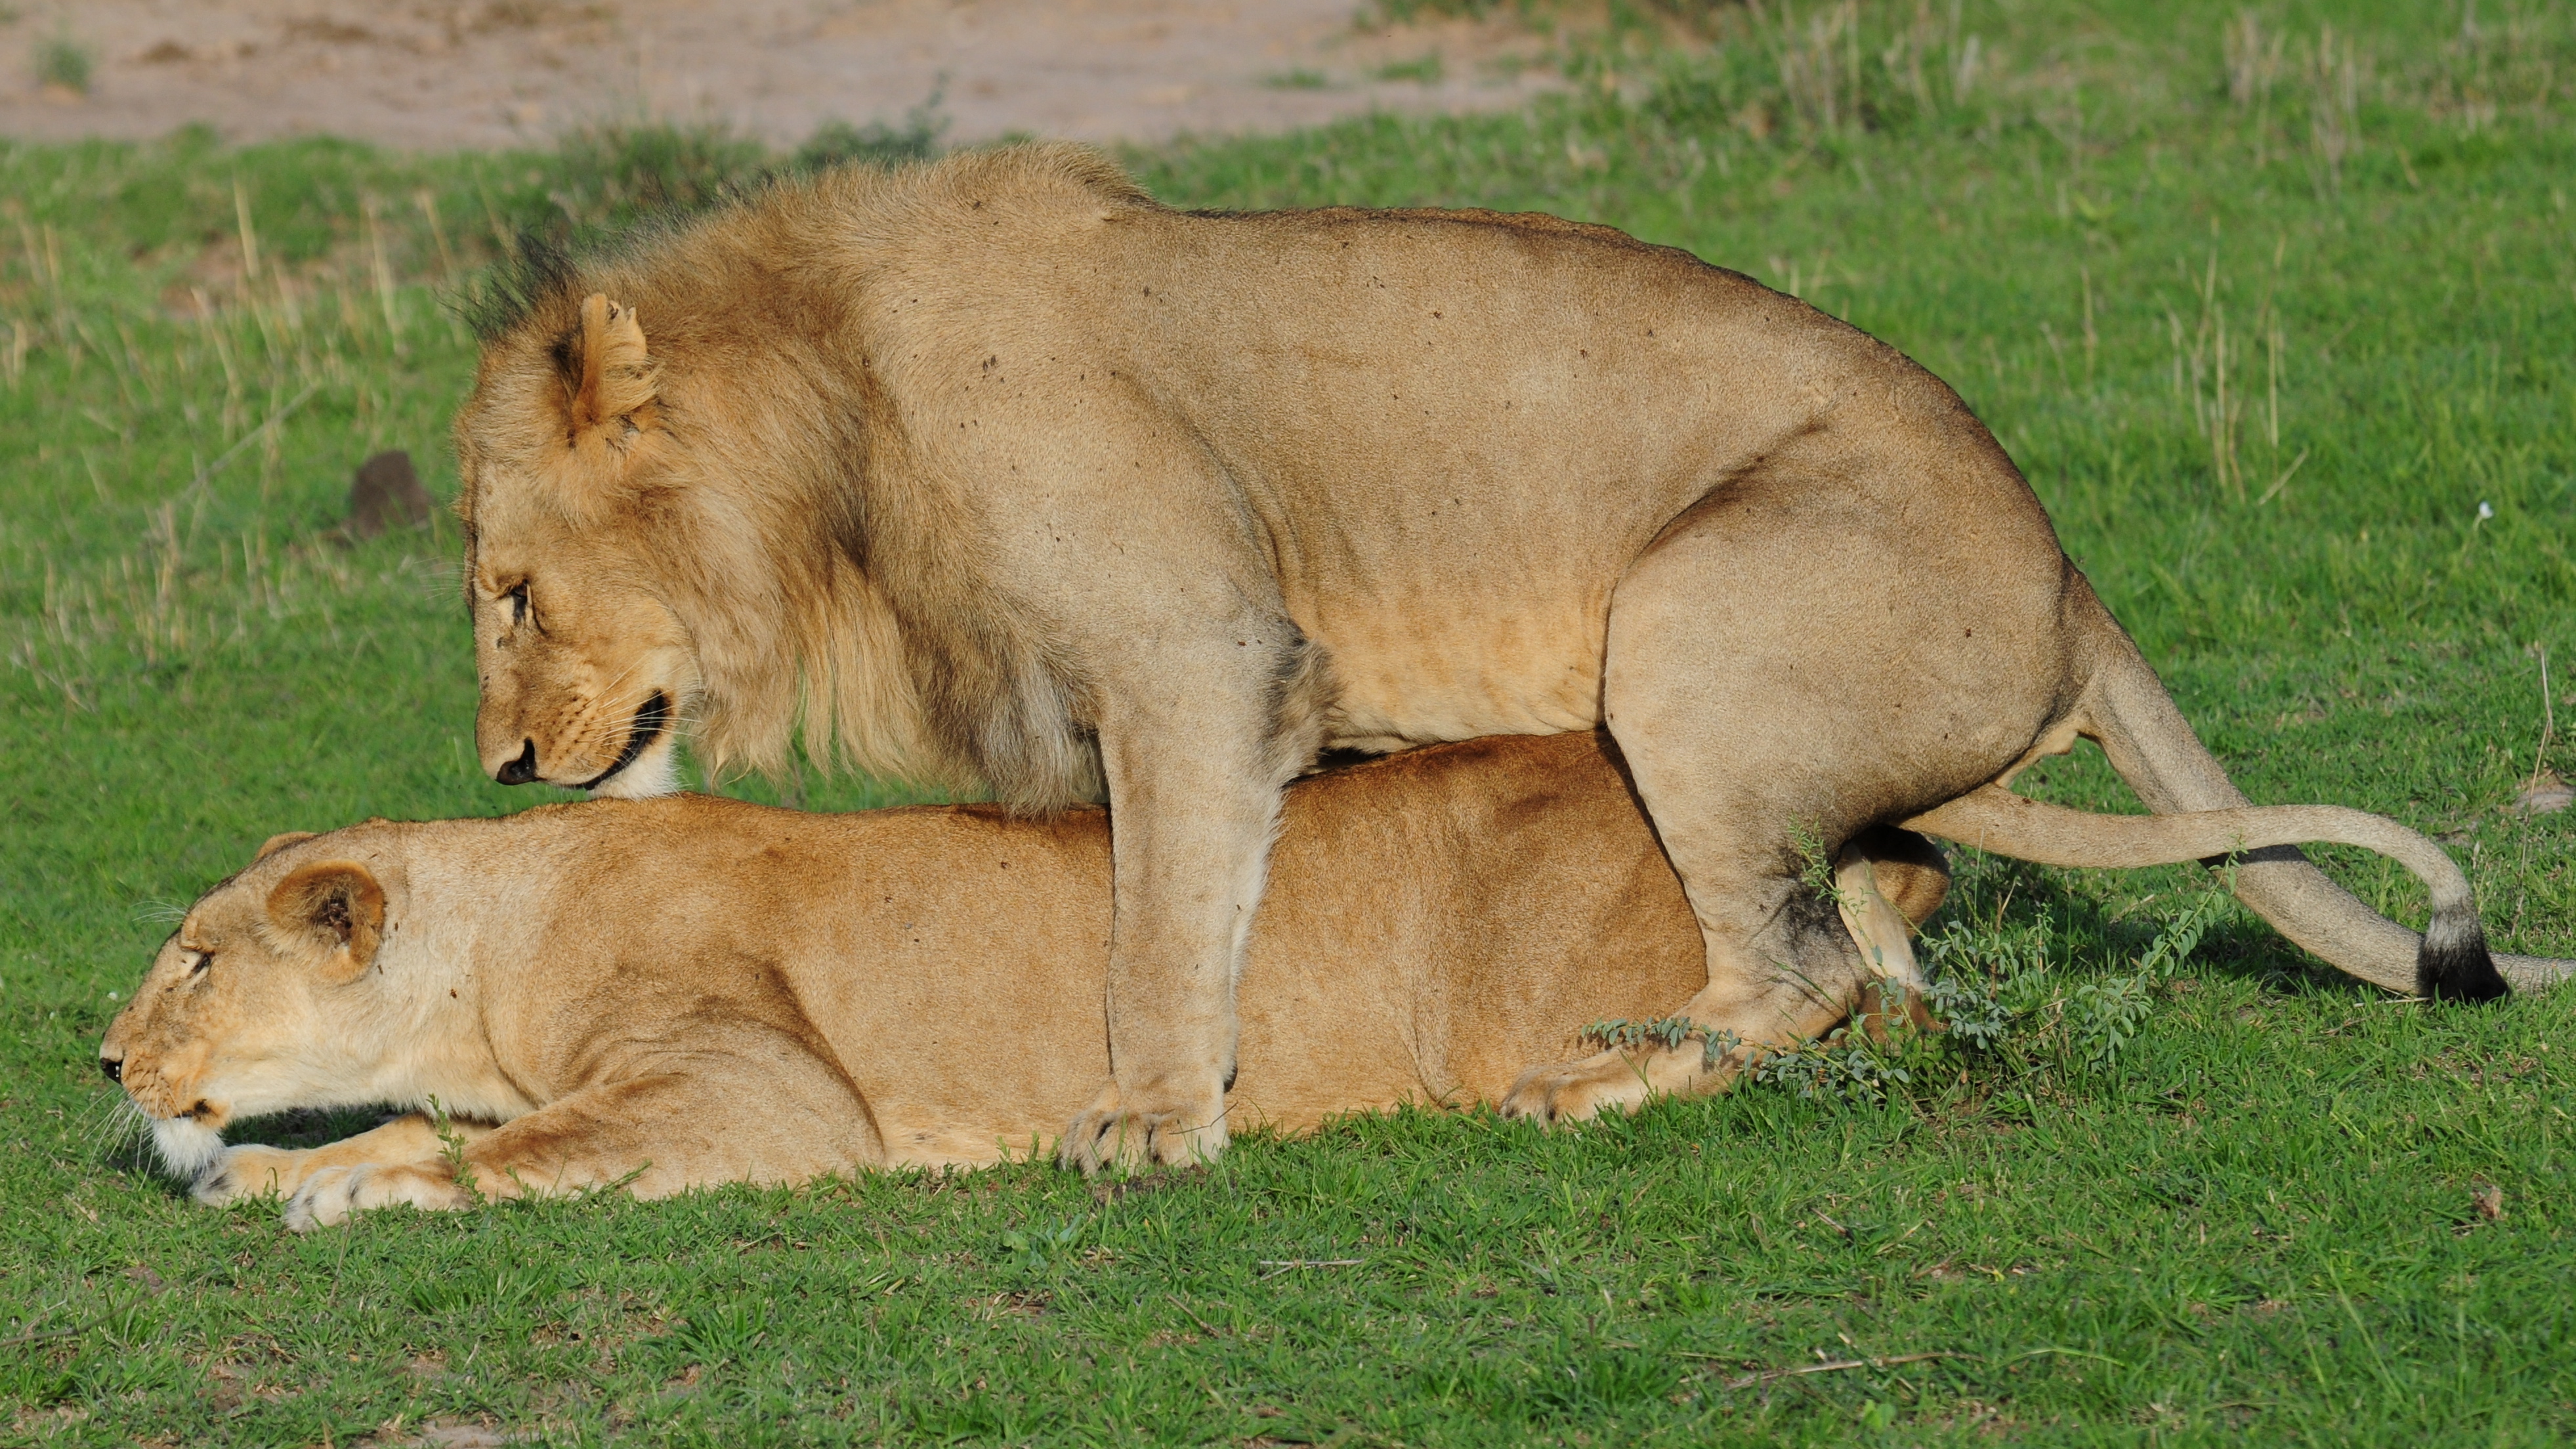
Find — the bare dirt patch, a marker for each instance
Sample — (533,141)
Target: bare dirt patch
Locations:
(436,74)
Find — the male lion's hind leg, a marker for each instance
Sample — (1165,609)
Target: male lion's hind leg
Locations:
(251,1170)
(1763,719)
(1882,888)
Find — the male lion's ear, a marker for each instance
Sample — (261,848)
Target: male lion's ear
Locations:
(278,842)
(337,906)
(616,379)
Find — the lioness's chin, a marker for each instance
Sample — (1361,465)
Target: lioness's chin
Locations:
(188,1147)
(655,772)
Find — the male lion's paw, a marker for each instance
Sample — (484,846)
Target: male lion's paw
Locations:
(247,1171)
(328,1197)
(1577,1091)
(1114,1130)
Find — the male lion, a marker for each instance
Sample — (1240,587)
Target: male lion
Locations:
(691,990)
(996,470)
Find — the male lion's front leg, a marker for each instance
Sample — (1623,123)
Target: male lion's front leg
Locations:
(1193,804)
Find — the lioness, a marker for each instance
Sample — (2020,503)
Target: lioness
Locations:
(692,990)
(997,470)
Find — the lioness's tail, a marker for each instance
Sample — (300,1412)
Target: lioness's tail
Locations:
(2200,814)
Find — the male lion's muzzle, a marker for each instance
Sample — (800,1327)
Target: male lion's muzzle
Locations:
(652,719)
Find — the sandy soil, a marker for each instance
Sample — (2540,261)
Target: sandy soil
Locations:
(432,74)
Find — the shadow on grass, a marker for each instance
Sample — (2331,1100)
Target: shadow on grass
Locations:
(2098,922)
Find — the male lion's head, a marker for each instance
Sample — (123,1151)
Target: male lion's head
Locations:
(584,663)
(259,1001)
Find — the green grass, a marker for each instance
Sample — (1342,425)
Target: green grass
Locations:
(1422,70)
(2258,1221)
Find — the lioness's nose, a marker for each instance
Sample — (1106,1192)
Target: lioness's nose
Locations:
(521,770)
(114,1067)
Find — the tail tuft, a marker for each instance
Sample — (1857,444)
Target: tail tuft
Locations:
(2454,965)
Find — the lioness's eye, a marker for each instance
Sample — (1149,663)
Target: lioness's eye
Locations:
(202,960)
(518,597)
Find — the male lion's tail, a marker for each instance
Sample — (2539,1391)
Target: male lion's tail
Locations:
(2200,814)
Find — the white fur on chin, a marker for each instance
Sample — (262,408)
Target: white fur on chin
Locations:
(653,773)
(187,1146)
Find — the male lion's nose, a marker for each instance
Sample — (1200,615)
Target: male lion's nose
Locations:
(114,1067)
(521,770)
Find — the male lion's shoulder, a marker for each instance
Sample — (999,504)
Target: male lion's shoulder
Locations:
(1533,225)
(1061,169)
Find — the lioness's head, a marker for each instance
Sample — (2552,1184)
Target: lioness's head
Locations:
(584,662)
(260,1001)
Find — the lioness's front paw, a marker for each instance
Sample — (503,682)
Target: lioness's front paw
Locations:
(247,1171)
(1115,1129)
(328,1197)
(1605,1081)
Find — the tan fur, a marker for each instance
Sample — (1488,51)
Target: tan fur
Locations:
(732,993)
(996,472)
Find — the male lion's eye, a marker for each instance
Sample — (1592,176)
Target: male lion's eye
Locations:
(518,597)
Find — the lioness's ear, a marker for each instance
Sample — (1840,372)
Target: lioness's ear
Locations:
(616,374)
(337,906)
(278,842)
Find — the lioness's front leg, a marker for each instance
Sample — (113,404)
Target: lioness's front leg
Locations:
(251,1170)
(1193,804)
(775,1112)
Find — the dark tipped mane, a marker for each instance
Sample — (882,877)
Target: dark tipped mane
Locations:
(538,270)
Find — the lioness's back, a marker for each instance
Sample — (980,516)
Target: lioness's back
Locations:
(1435,921)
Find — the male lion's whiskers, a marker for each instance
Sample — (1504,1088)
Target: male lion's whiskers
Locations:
(593,735)
(432,577)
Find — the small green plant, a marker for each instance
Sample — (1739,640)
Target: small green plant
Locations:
(451,1147)
(1666,1033)
(2104,1016)
(1816,868)
(1993,993)
(1299,78)
(64,62)
(1843,1066)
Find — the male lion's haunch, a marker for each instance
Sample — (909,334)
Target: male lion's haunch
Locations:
(997,471)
